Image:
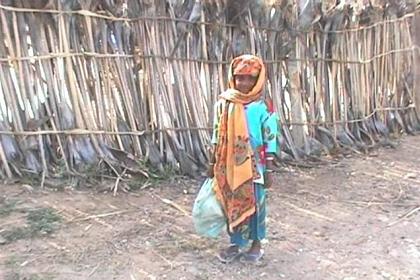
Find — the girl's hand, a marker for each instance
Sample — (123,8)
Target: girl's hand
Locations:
(268,175)
(268,179)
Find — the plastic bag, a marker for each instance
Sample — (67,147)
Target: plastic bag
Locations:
(208,216)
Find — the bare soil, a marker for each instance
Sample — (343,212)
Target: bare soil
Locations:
(353,217)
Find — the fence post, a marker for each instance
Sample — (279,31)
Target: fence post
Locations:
(298,133)
(416,65)
(295,88)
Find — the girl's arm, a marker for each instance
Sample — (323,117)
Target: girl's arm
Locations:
(214,139)
(270,131)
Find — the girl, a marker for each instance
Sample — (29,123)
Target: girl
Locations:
(244,143)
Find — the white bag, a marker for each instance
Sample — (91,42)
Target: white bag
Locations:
(208,216)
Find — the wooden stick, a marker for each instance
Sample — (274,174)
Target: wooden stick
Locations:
(405,216)
(103,215)
(309,212)
(174,205)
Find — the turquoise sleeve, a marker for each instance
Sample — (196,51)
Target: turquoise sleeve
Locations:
(270,131)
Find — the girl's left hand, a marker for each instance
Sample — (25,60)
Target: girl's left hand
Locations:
(268,179)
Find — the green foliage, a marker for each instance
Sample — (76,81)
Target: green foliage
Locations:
(7,207)
(41,221)
(15,234)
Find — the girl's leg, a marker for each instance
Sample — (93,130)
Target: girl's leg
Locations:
(239,239)
(257,223)
(230,253)
(257,230)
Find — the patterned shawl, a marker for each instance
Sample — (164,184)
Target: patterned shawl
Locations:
(235,167)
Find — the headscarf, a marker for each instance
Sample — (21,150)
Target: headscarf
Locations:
(235,168)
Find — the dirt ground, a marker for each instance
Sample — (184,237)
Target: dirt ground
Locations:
(353,217)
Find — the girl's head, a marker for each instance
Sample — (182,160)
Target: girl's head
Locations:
(245,74)
(244,83)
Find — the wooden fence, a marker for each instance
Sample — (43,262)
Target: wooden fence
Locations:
(125,85)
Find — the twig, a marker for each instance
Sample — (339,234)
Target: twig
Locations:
(102,215)
(400,193)
(146,185)
(174,205)
(405,216)
(118,180)
(119,176)
(43,179)
(309,212)
(164,259)
(313,194)
(163,130)
(170,58)
(102,132)
(149,276)
(213,23)
(390,203)
(94,270)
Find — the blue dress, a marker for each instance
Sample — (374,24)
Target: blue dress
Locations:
(263,130)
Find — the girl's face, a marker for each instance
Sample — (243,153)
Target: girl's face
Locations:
(244,83)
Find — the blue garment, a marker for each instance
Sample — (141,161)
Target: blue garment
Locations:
(263,130)
(257,228)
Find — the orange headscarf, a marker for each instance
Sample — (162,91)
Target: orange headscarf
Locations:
(246,65)
(235,165)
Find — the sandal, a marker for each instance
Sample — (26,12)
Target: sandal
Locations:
(252,257)
(229,254)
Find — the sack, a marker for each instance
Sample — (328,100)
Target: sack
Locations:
(208,216)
